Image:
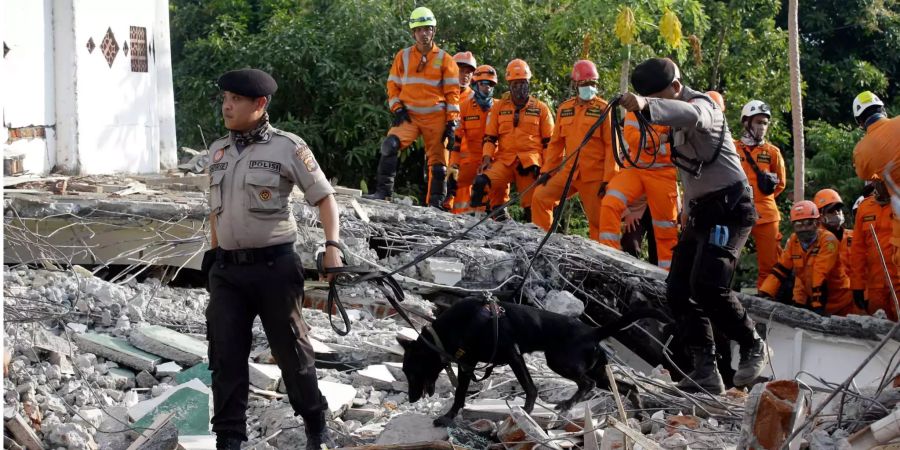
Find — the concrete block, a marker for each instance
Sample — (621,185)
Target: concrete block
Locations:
(362,415)
(122,377)
(339,396)
(61,360)
(168,369)
(47,341)
(169,344)
(408,428)
(145,380)
(200,371)
(23,434)
(265,376)
(563,302)
(190,402)
(444,271)
(377,376)
(89,417)
(772,412)
(117,350)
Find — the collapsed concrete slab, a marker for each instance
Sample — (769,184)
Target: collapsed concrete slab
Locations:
(411,428)
(118,350)
(169,344)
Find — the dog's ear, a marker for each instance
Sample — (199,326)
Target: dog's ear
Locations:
(404,342)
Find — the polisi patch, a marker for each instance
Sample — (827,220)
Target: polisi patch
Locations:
(305,155)
(271,166)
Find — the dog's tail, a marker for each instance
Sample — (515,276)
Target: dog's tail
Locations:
(627,319)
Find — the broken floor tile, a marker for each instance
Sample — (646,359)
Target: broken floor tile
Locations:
(200,371)
(168,369)
(407,428)
(377,375)
(117,350)
(339,396)
(191,403)
(169,344)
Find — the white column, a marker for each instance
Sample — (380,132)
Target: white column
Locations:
(165,93)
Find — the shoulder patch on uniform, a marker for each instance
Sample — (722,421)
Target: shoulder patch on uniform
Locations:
(830,245)
(305,155)
(594,112)
(218,166)
(506,112)
(271,166)
(532,111)
(567,112)
(217,156)
(764,157)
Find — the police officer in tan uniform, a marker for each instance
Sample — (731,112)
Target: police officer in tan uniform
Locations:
(253,269)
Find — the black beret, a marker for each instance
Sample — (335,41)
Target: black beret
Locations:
(654,75)
(248,82)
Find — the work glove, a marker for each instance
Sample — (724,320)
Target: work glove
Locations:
(859,297)
(602,191)
(450,133)
(401,115)
(817,302)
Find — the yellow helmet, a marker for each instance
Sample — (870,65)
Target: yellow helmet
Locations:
(421,17)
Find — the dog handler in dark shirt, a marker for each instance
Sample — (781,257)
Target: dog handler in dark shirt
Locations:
(253,269)
(719,214)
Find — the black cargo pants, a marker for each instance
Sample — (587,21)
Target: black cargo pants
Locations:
(269,283)
(698,287)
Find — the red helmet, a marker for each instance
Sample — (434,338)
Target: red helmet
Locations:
(584,70)
(804,209)
(517,69)
(465,58)
(485,72)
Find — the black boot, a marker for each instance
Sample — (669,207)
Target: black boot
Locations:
(526,215)
(387,170)
(317,434)
(479,186)
(705,373)
(438,187)
(228,441)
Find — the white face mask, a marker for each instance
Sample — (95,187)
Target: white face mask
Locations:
(586,92)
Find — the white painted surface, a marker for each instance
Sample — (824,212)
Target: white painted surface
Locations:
(108,118)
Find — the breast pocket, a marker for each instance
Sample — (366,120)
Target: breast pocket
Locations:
(215,191)
(263,192)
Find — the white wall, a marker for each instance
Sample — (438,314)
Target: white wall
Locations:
(107,118)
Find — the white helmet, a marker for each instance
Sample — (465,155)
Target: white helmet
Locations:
(754,107)
(864,100)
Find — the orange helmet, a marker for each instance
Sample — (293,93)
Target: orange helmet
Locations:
(485,72)
(804,209)
(827,197)
(465,58)
(717,97)
(517,69)
(584,70)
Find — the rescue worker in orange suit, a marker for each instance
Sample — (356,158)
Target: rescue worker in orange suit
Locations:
(596,164)
(831,210)
(867,279)
(516,134)
(812,254)
(466,63)
(764,166)
(465,157)
(655,176)
(423,94)
(877,151)
(719,212)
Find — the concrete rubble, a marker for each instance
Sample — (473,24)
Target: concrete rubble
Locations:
(93,363)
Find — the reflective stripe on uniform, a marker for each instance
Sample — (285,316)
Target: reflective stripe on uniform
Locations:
(427,109)
(419,80)
(617,194)
(393,101)
(664,223)
(406,63)
(454,108)
(664,264)
(632,123)
(451,81)
(616,237)
(396,79)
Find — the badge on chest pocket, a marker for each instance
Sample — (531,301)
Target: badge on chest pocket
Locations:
(262,191)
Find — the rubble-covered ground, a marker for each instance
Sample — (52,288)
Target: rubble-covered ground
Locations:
(75,399)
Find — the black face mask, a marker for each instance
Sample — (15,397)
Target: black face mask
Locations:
(806,238)
(485,101)
(520,93)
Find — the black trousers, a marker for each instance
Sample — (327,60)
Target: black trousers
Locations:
(699,282)
(270,286)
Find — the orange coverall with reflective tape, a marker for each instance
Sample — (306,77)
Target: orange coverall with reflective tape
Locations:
(657,179)
(470,136)
(596,164)
(430,92)
(866,272)
(880,146)
(819,275)
(765,232)
(520,145)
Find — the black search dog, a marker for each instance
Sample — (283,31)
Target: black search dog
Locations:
(466,335)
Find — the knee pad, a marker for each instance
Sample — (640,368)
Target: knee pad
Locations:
(478,186)
(481,182)
(390,146)
(438,171)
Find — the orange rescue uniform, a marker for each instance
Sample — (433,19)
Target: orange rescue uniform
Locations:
(765,232)
(430,92)
(470,136)
(596,165)
(871,156)
(819,276)
(521,135)
(655,178)
(866,272)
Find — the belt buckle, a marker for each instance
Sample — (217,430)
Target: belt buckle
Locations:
(243,257)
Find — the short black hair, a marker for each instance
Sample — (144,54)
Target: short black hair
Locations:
(869,112)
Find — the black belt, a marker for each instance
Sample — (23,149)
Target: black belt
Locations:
(253,255)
